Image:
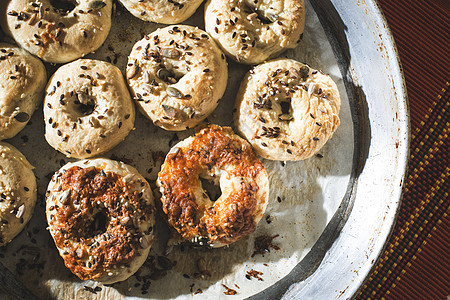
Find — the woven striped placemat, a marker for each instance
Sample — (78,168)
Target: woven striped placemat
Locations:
(416,261)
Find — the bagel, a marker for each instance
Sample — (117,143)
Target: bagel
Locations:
(23,78)
(217,155)
(87,109)
(166,12)
(251,32)
(18,192)
(177,75)
(101,215)
(287,110)
(58,31)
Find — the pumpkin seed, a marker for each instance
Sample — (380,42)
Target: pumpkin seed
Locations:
(132,71)
(169,110)
(271,17)
(96,5)
(285,117)
(82,97)
(143,242)
(169,52)
(266,17)
(22,117)
(304,72)
(164,263)
(163,74)
(294,72)
(173,92)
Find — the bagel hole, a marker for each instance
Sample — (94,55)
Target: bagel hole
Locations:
(263,16)
(285,107)
(210,188)
(97,226)
(286,111)
(64,6)
(84,105)
(86,109)
(168,75)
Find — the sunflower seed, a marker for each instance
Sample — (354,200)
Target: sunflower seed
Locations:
(132,71)
(94,122)
(20,211)
(169,53)
(96,5)
(146,77)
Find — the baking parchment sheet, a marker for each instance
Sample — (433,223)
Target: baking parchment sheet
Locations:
(303,195)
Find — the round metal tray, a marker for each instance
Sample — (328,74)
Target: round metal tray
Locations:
(346,202)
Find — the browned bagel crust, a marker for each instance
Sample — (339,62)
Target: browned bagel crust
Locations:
(213,147)
(120,244)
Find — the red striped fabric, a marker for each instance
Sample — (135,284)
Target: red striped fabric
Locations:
(416,261)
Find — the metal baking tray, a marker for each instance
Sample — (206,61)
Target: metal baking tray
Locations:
(329,216)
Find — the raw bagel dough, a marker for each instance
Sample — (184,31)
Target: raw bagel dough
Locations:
(88,109)
(22,82)
(177,75)
(18,192)
(287,110)
(60,33)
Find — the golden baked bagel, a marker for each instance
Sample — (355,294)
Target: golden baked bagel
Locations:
(22,82)
(57,31)
(251,32)
(287,110)
(88,109)
(177,75)
(218,156)
(162,11)
(100,214)
(17,192)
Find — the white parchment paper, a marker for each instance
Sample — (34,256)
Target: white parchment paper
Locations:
(303,195)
